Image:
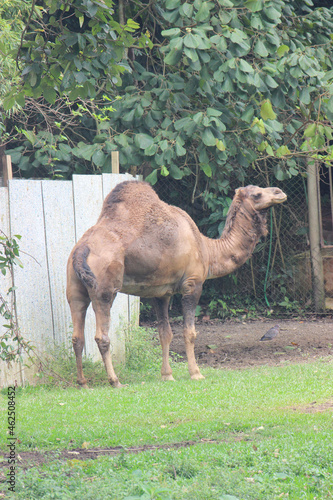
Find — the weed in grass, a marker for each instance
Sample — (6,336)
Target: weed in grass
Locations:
(147,492)
(121,462)
(183,468)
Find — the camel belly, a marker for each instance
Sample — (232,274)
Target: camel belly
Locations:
(147,290)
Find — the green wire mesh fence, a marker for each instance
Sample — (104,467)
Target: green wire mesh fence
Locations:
(277,278)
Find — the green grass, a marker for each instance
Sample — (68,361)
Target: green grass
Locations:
(250,435)
(263,444)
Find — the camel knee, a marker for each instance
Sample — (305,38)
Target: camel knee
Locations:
(105,296)
(165,335)
(78,345)
(190,336)
(103,344)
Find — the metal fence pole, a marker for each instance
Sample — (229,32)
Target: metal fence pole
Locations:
(314,236)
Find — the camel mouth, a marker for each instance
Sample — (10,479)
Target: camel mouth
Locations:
(282,199)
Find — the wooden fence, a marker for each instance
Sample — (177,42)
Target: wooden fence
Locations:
(51,216)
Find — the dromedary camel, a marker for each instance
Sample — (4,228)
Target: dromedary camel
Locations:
(145,247)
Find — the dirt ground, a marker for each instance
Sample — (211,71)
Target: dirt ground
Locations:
(233,344)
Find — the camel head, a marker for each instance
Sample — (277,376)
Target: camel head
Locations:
(261,198)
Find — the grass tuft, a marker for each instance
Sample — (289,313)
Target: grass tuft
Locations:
(142,355)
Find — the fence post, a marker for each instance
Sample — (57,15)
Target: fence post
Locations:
(6,169)
(115,162)
(314,236)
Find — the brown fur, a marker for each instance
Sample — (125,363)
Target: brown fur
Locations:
(143,246)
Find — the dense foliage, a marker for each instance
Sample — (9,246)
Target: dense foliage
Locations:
(207,94)
(198,89)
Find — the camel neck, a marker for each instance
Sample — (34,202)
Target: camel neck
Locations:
(243,229)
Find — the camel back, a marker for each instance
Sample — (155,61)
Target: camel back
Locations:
(136,195)
(135,206)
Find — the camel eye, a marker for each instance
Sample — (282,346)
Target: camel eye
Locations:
(257,196)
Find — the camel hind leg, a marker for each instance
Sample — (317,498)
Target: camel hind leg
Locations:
(79,301)
(102,308)
(109,274)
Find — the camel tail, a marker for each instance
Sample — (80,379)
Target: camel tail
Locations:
(81,267)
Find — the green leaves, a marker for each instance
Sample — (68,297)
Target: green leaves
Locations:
(175,54)
(266,110)
(180,150)
(245,66)
(191,41)
(208,137)
(220,87)
(254,5)
(282,50)
(74,62)
(206,168)
(85,151)
(152,177)
(171,32)
(203,12)
(310,130)
(304,95)
(220,145)
(143,141)
(260,49)
(282,151)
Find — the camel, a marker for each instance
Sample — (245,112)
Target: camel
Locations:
(145,247)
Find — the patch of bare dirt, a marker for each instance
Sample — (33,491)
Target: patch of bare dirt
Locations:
(27,459)
(314,407)
(233,344)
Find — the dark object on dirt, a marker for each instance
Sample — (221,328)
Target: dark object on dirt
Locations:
(272,333)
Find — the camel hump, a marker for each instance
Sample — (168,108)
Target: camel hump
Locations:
(130,191)
(81,267)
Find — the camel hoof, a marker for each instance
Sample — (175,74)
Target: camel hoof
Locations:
(197,376)
(167,377)
(118,385)
(83,384)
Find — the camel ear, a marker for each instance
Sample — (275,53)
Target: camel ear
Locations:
(240,192)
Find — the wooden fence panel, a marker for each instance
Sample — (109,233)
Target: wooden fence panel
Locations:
(32,282)
(60,238)
(51,216)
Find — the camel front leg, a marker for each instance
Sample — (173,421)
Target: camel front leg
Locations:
(102,313)
(189,303)
(165,333)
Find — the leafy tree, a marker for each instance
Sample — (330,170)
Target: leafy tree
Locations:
(12,15)
(234,83)
(205,93)
(70,55)
(211,91)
